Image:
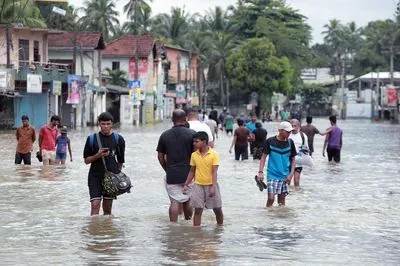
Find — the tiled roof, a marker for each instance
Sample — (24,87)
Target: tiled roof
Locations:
(92,40)
(126,46)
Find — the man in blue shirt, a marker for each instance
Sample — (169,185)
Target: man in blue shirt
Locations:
(281,153)
(251,126)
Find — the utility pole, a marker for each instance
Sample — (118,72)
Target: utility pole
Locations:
(8,41)
(83,93)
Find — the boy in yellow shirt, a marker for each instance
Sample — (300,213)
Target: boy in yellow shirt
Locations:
(205,193)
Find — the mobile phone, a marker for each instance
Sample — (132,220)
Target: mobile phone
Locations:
(105,149)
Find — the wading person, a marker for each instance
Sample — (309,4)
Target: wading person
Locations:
(310,130)
(26,136)
(113,152)
(301,143)
(228,123)
(196,125)
(204,164)
(333,141)
(240,141)
(260,137)
(62,143)
(251,126)
(280,152)
(47,140)
(174,148)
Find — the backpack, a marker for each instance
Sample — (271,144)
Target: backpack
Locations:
(91,139)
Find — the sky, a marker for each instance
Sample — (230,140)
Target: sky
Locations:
(318,12)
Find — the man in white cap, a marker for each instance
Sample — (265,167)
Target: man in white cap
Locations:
(301,143)
(281,153)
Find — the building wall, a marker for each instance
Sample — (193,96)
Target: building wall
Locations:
(123,63)
(25,34)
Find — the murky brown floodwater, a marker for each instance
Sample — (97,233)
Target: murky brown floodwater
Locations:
(344,214)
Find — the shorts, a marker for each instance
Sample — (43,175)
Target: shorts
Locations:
(298,169)
(26,157)
(333,153)
(175,193)
(229,130)
(200,198)
(241,151)
(96,191)
(61,156)
(48,155)
(277,187)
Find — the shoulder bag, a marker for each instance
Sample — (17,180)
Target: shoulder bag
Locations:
(114,184)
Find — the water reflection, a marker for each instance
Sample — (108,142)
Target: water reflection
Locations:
(191,245)
(278,237)
(104,239)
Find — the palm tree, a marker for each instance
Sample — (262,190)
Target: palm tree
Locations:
(216,19)
(174,26)
(117,77)
(141,25)
(100,15)
(137,11)
(67,22)
(221,47)
(21,11)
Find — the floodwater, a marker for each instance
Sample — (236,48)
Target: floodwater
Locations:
(344,214)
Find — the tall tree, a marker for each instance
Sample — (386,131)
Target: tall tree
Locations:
(100,15)
(21,11)
(173,26)
(138,11)
(221,47)
(254,67)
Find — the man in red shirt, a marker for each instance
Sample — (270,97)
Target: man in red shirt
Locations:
(26,136)
(47,140)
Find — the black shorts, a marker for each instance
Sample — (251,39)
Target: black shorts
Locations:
(96,188)
(298,169)
(241,151)
(333,153)
(229,130)
(26,157)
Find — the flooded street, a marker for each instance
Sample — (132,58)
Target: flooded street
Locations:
(347,213)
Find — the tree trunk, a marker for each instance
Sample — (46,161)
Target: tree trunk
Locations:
(222,99)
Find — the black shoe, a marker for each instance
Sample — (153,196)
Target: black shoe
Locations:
(260,184)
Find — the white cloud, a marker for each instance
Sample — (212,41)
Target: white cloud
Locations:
(319,12)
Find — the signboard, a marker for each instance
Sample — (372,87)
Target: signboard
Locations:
(76,89)
(34,83)
(56,87)
(309,74)
(143,66)
(6,80)
(135,92)
(390,97)
(180,94)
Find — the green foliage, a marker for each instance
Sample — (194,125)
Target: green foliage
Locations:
(117,77)
(255,67)
(100,15)
(21,11)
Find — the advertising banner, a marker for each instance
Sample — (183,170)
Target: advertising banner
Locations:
(180,94)
(142,73)
(7,82)
(34,83)
(76,89)
(390,97)
(135,92)
(56,87)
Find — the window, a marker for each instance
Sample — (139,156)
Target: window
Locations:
(36,55)
(115,65)
(23,52)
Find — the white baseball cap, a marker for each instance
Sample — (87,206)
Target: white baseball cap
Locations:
(285,126)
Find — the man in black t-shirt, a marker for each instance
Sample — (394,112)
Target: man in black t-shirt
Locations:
(260,138)
(174,148)
(113,151)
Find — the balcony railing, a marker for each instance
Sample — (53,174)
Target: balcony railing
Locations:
(49,71)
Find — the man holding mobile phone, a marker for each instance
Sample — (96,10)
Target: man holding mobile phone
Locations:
(113,152)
